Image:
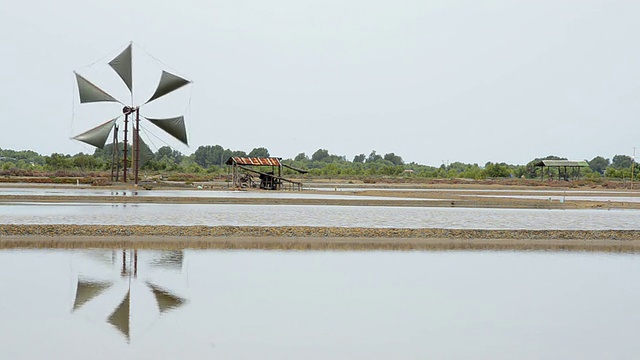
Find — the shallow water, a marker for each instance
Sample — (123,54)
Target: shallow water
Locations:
(346,188)
(305,215)
(561,197)
(318,305)
(192,193)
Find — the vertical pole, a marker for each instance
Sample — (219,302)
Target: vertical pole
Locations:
(114,152)
(126,122)
(117,154)
(137,149)
(133,146)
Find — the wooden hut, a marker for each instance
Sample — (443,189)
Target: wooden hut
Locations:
(267,169)
(566,165)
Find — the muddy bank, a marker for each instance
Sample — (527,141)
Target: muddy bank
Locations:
(312,238)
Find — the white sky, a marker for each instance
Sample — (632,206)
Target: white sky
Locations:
(433,81)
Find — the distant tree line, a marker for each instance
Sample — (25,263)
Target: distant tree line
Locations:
(211,159)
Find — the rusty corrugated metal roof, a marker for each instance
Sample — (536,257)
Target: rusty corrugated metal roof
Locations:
(254,161)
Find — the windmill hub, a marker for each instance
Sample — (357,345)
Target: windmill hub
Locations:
(128,110)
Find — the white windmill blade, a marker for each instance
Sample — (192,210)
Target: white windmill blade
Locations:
(98,135)
(168,83)
(172,126)
(89,92)
(122,65)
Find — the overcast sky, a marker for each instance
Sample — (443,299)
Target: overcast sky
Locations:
(432,81)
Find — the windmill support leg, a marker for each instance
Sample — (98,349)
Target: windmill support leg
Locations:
(137,148)
(116,153)
(126,123)
(114,156)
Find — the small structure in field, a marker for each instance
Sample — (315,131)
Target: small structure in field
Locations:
(268,170)
(566,165)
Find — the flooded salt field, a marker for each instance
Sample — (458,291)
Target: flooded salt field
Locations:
(564,197)
(305,215)
(332,193)
(195,304)
(234,194)
(345,188)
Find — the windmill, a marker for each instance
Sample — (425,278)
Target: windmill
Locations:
(88,92)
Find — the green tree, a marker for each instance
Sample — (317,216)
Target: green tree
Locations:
(621,162)
(373,157)
(28,156)
(58,161)
(395,159)
(301,157)
(599,164)
(259,152)
(207,156)
(359,159)
(496,170)
(171,154)
(85,162)
(320,155)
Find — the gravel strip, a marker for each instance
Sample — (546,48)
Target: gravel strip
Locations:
(307,231)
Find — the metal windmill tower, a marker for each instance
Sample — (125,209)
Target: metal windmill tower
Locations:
(122,64)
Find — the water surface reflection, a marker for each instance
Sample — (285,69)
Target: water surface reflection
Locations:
(89,287)
(318,305)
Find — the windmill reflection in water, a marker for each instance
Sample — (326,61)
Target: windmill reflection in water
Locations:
(127,263)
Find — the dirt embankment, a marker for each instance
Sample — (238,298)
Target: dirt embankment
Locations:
(312,238)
